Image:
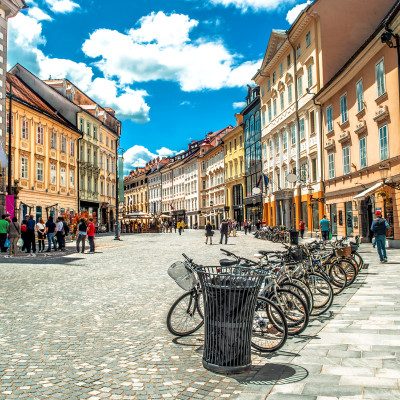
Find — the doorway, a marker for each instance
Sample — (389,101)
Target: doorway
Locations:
(349,218)
(333,212)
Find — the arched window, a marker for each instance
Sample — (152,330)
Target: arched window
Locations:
(252,126)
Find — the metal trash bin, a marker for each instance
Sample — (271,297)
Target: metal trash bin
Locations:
(229,295)
(294,237)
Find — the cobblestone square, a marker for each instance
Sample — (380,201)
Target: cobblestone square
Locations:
(93,327)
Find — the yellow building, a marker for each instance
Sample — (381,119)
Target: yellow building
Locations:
(44,151)
(234,171)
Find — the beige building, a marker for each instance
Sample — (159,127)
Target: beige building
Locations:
(297,64)
(136,191)
(360,108)
(44,154)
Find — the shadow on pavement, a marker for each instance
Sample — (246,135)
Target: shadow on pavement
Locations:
(40,260)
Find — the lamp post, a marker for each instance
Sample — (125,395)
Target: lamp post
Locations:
(119,151)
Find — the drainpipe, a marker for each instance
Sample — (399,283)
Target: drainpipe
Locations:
(297,124)
(78,172)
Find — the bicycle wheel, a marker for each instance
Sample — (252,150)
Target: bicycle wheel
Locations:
(186,314)
(294,309)
(350,266)
(269,334)
(322,293)
(338,278)
(299,289)
(358,260)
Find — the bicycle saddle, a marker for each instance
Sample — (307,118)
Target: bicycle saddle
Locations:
(225,262)
(266,253)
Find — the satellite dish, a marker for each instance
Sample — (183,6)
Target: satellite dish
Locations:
(291,178)
(256,190)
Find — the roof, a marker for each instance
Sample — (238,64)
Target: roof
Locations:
(22,92)
(387,20)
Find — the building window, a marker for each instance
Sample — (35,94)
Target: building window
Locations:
(94,132)
(71,179)
(107,141)
(346,160)
(40,135)
(63,144)
(108,191)
(329,119)
(53,140)
(360,95)
(274,78)
(88,128)
(89,158)
(263,118)
(282,101)
(271,148)
(298,50)
(53,174)
(278,144)
(275,110)
(308,39)
(112,144)
(39,171)
(24,128)
(363,152)
(380,77)
(331,165)
(81,125)
(343,109)
(299,86)
(314,169)
(288,60)
(102,188)
(72,148)
(24,168)
(312,122)
(101,137)
(284,140)
(269,113)
(290,94)
(62,176)
(293,133)
(309,76)
(383,143)
(302,129)
(280,69)
(268,84)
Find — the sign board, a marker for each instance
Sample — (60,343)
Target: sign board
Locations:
(10,205)
(256,190)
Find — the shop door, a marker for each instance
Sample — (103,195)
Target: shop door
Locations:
(315,214)
(333,219)
(304,213)
(349,218)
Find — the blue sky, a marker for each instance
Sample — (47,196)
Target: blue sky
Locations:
(173,70)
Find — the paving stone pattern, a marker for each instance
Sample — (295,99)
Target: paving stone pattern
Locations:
(92,326)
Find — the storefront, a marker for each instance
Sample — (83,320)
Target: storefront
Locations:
(254,208)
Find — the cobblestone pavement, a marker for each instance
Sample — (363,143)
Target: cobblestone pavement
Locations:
(92,326)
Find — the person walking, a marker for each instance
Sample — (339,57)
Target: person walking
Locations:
(60,234)
(81,236)
(3,232)
(90,234)
(379,227)
(14,233)
(324,226)
(249,226)
(23,233)
(302,227)
(245,226)
(51,234)
(180,227)
(30,235)
(175,225)
(223,228)
(258,225)
(209,232)
(234,228)
(41,231)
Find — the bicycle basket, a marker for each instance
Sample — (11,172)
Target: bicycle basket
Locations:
(354,247)
(344,251)
(182,275)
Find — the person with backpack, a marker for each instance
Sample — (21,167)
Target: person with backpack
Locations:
(90,234)
(81,236)
(209,232)
(4,224)
(14,233)
(379,228)
(23,233)
(223,228)
(245,226)
(60,234)
(30,235)
(41,230)
(51,234)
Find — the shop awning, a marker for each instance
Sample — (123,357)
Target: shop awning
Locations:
(369,191)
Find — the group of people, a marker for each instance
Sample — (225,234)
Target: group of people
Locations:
(226,228)
(28,233)
(167,226)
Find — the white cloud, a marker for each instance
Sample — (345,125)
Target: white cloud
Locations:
(256,5)
(185,103)
(62,6)
(295,11)
(38,14)
(144,54)
(239,104)
(138,156)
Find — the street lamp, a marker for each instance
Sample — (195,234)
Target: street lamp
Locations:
(119,151)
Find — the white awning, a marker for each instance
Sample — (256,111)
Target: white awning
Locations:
(367,192)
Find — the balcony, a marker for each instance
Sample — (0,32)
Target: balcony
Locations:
(330,144)
(361,127)
(344,137)
(381,114)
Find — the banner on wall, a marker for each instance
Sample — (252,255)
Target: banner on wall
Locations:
(10,205)
(121,179)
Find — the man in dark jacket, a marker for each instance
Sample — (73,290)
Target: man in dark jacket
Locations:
(378,228)
(224,227)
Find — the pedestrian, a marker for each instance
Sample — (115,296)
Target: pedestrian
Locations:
(8,217)
(41,231)
(209,232)
(302,227)
(234,228)
(3,232)
(325,226)
(23,233)
(249,226)
(14,233)
(60,234)
(170,226)
(229,227)
(51,234)
(245,226)
(223,228)
(81,236)
(180,227)
(258,225)
(90,234)
(175,225)
(30,235)
(379,228)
